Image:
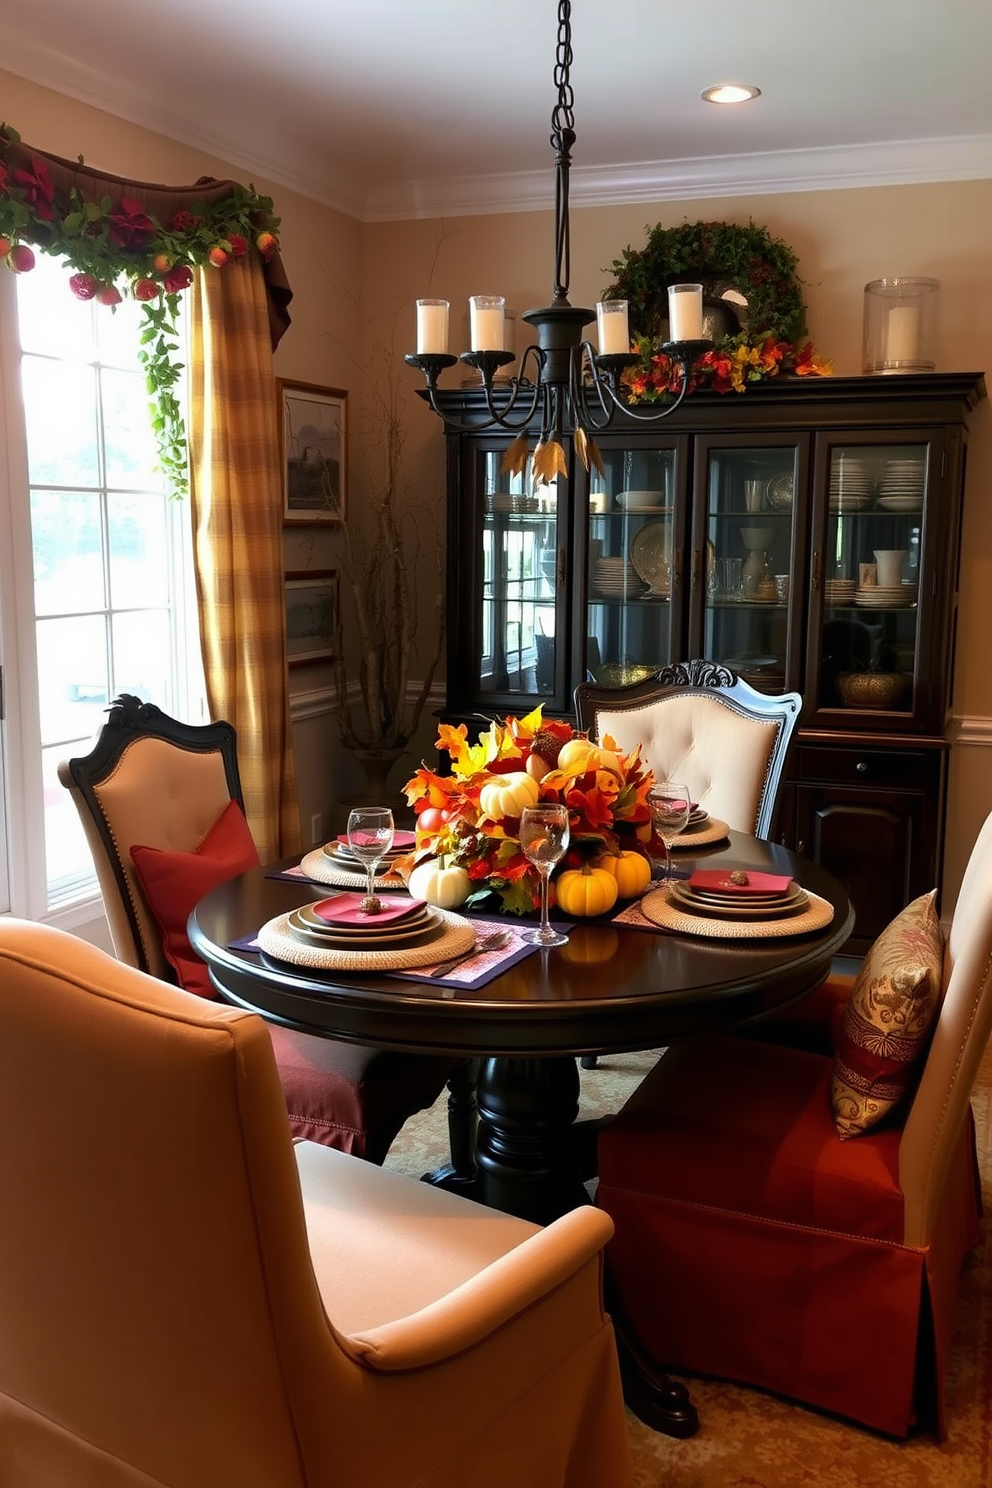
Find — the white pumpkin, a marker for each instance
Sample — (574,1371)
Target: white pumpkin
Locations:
(507,795)
(433,883)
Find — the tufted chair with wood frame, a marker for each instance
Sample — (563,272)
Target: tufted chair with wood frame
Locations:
(153,782)
(702,725)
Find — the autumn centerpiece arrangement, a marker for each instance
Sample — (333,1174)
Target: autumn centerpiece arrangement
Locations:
(749,278)
(467,822)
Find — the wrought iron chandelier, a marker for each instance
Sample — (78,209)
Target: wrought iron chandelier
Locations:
(576,388)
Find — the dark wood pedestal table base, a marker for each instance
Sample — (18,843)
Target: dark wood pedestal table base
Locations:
(608,990)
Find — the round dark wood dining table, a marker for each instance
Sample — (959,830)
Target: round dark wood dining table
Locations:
(608,989)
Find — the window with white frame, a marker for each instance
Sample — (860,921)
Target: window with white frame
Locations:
(95,566)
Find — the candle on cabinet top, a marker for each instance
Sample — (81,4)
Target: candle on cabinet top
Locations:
(902,342)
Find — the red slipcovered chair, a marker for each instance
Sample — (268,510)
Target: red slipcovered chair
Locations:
(753,1244)
(155,799)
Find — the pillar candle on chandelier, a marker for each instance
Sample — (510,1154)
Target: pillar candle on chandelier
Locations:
(486,318)
(612,328)
(432,327)
(685,312)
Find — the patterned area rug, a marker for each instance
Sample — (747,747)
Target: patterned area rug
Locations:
(748,1439)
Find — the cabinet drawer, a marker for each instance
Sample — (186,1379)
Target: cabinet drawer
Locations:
(894,769)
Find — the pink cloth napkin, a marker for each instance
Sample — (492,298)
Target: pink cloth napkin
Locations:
(718,879)
(400,839)
(346,909)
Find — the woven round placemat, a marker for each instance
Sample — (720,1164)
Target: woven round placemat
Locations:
(318,866)
(712,830)
(657,907)
(277,939)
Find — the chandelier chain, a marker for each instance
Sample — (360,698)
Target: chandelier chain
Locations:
(575,391)
(562,140)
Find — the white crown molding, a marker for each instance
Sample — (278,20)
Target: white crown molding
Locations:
(893,163)
(896,163)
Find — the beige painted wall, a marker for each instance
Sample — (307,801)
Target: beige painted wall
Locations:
(842,239)
(354,291)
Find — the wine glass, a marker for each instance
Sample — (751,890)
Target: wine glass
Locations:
(544,838)
(670,806)
(370,836)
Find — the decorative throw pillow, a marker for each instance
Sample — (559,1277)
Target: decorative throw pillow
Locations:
(174,882)
(886,1027)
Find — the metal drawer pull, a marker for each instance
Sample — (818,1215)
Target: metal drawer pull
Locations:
(861,767)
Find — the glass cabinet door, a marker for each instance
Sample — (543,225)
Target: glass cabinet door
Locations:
(520,582)
(869,642)
(746,585)
(632,566)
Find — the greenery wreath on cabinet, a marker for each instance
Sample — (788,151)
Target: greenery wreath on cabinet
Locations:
(751,289)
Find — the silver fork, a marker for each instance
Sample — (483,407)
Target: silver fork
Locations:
(493,942)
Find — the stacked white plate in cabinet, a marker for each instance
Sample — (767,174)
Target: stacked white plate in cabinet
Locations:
(839,591)
(616,578)
(851,484)
(886,597)
(902,485)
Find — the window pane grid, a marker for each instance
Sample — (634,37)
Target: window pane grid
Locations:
(108,541)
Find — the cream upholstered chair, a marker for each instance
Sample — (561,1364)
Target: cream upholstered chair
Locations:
(154,797)
(752,1243)
(700,724)
(188,1300)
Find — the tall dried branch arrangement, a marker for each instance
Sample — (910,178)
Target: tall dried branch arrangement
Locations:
(391,552)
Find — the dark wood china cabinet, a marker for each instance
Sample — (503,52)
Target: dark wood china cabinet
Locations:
(804,533)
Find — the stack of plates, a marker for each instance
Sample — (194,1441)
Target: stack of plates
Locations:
(902,485)
(886,597)
(342,856)
(713,894)
(850,484)
(766,673)
(616,578)
(839,591)
(340,924)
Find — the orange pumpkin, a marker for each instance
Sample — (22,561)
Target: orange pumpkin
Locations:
(631,870)
(586,891)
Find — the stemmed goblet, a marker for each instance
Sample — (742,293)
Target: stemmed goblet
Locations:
(370,836)
(670,807)
(544,838)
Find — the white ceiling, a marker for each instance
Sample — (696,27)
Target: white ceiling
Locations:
(401,108)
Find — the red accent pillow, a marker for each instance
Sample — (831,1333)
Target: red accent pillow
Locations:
(888,1020)
(173,883)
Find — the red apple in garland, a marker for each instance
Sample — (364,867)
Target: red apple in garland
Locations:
(20,258)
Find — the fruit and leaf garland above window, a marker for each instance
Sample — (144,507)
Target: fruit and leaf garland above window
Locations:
(752,307)
(117,248)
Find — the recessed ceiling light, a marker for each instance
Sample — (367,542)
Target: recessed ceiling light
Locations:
(730,93)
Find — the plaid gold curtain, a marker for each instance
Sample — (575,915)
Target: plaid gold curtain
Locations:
(236,490)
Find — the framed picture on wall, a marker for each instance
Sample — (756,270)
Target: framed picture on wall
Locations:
(311,615)
(314,452)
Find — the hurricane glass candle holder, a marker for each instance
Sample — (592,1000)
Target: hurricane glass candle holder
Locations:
(900,325)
